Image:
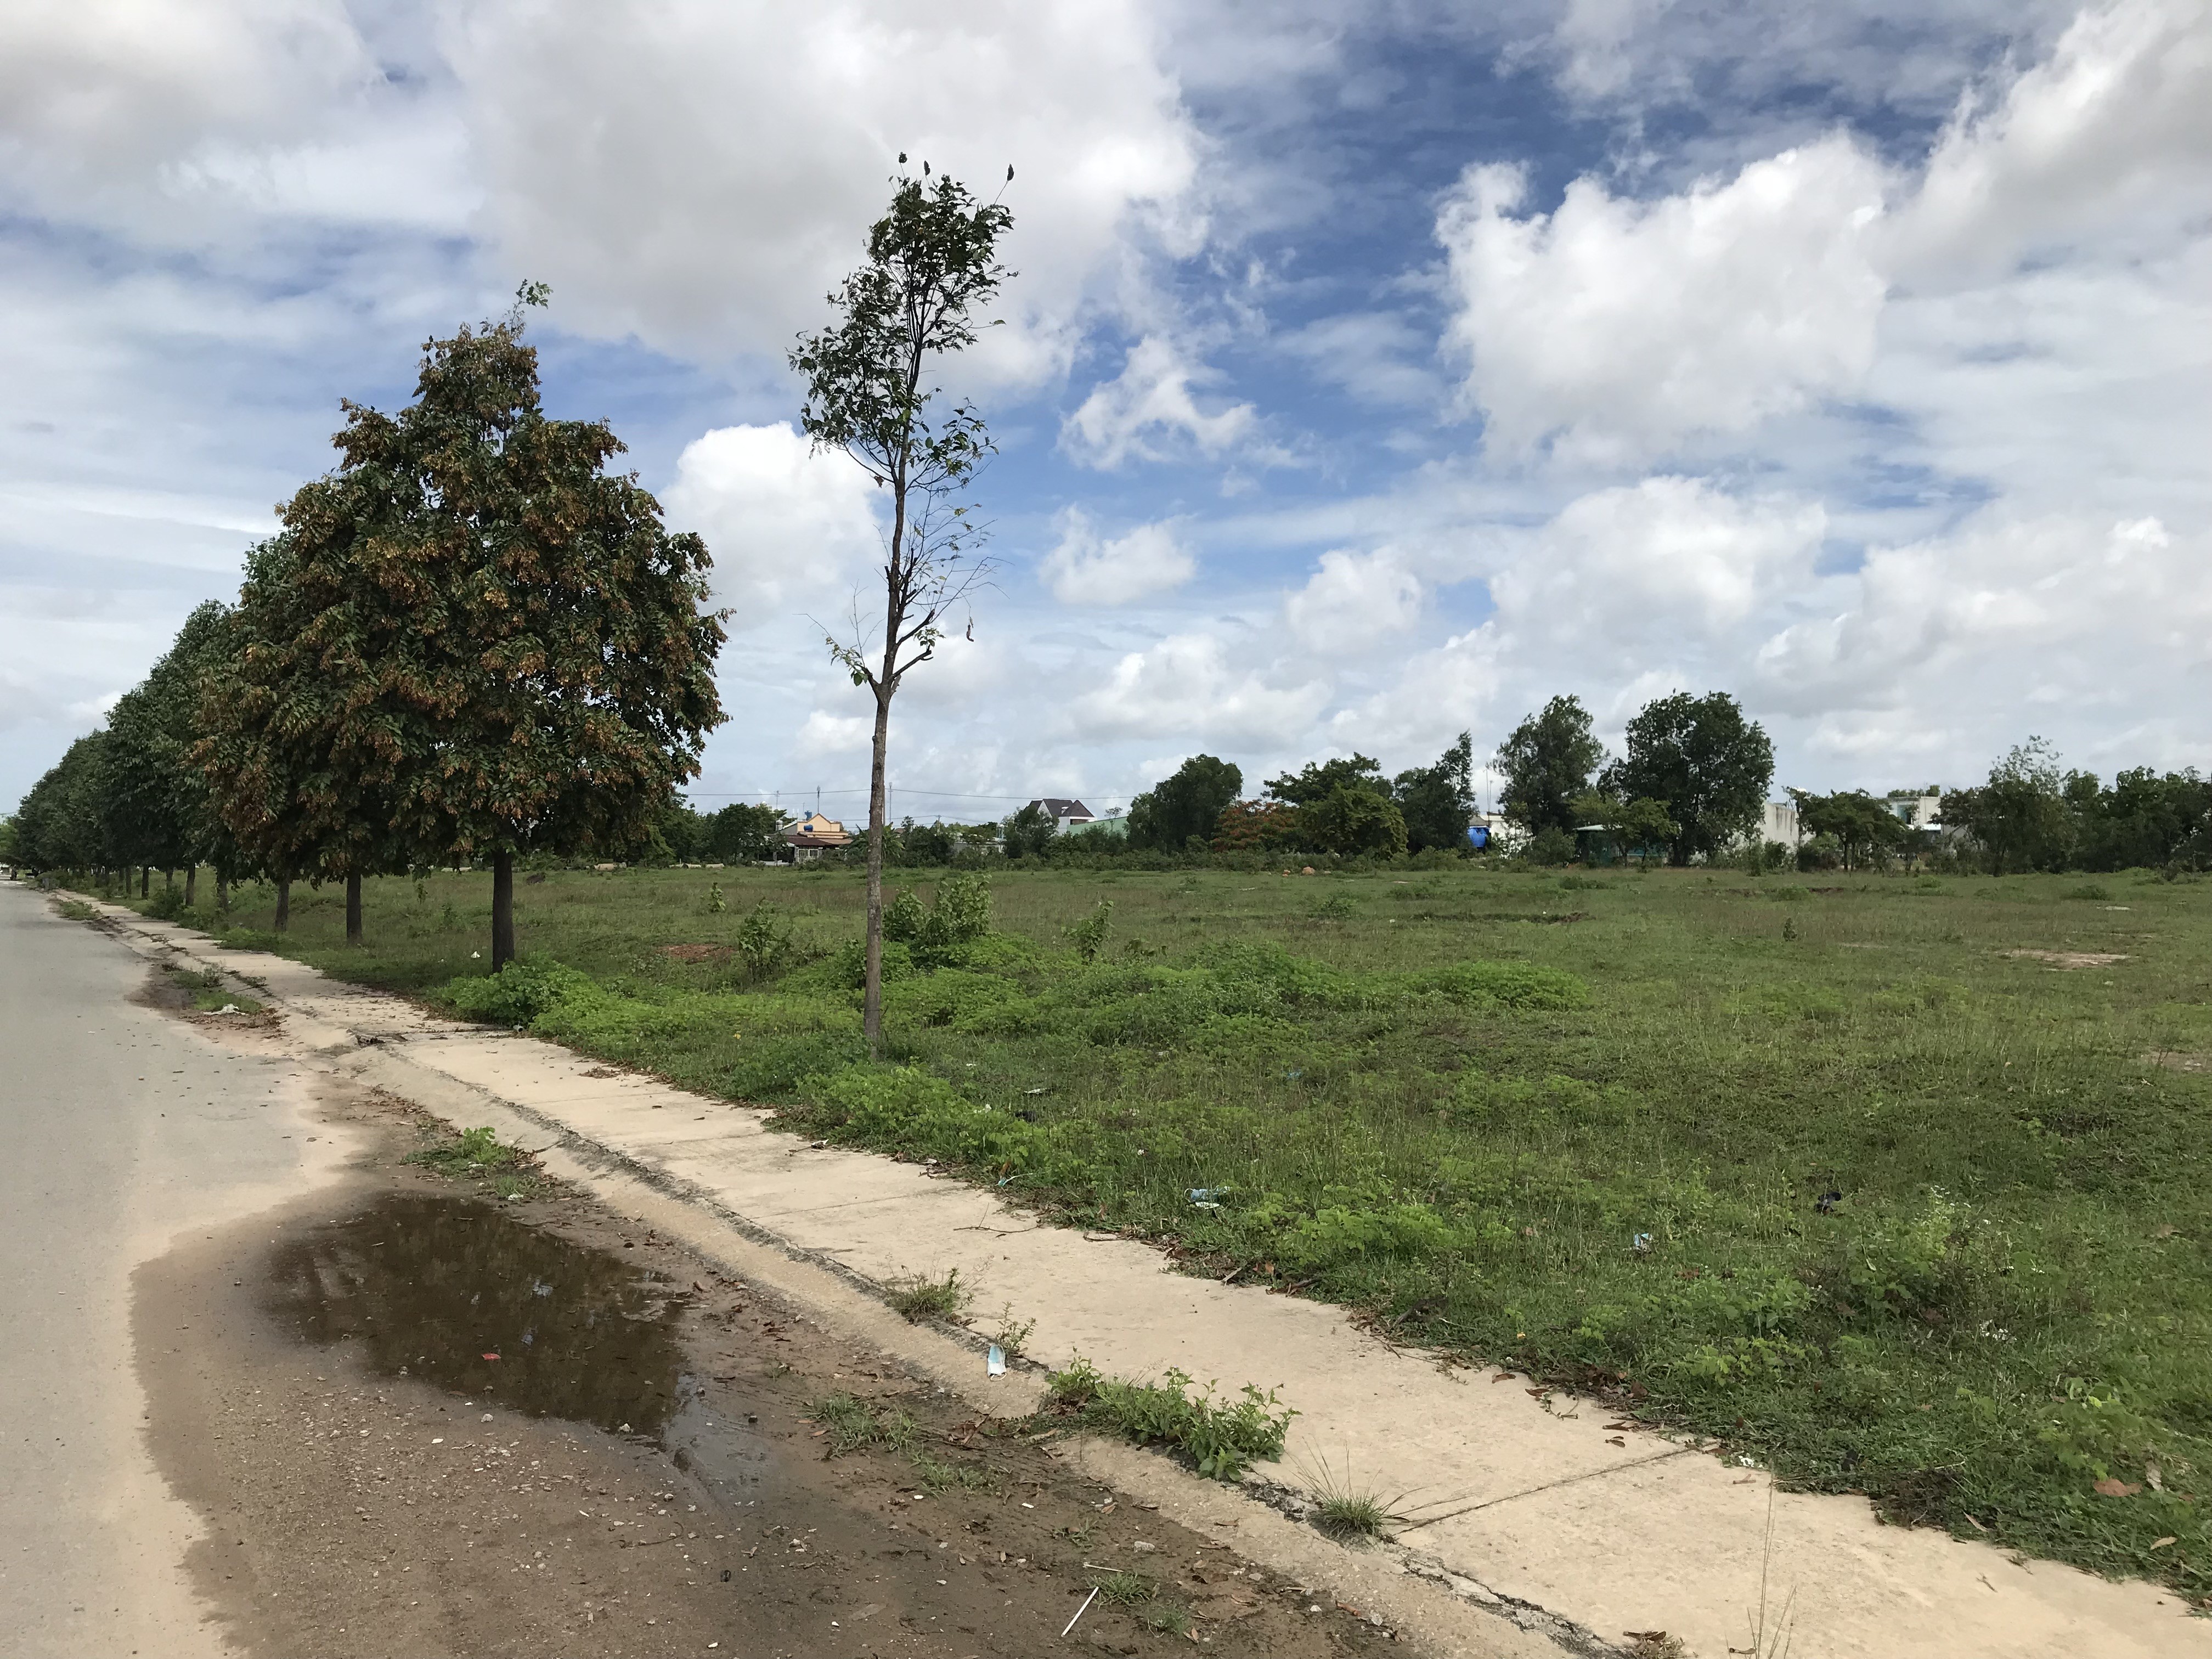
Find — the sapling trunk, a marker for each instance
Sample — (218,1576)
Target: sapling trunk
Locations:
(283,905)
(353,907)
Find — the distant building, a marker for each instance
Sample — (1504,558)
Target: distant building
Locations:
(813,835)
(1780,823)
(1066,815)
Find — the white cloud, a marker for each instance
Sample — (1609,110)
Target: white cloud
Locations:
(2107,139)
(1613,329)
(1084,569)
(1352,602)
(788,528)
(1667,559)
(1593,38)
(826,734)
(1187,684)
(2006,617)
(703,175)
(1148,411)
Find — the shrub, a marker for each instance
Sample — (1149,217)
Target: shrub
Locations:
(518,994)
(1088,936)
(764,943)
(1550,846)
(1221,1440)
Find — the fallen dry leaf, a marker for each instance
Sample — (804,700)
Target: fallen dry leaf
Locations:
(2114,1486)
(2163,1542)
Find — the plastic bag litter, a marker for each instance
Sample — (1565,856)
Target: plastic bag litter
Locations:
(994,1363)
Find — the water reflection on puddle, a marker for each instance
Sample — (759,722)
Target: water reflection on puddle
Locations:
(462,1295)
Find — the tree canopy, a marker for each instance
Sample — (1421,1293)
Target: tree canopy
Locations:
(1547,764)
(1705,761)
(1190,803)
(1437,801)
(471,638)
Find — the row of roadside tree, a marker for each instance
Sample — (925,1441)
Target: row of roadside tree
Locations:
(469,642)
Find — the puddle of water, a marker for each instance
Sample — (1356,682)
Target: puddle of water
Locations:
(433,1286)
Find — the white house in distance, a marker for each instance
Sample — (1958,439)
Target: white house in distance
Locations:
(1915,812)
(1066,815)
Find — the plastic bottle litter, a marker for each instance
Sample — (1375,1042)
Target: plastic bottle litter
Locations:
(994,1363)
(1641,1244)
(1207,1198)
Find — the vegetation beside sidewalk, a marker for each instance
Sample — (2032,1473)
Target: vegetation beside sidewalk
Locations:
(1846,1177)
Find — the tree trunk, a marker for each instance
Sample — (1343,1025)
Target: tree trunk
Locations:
(283,905)
(191,883)
(872,1008)
(502,910)
(353,907)
(145,880)
(221,893)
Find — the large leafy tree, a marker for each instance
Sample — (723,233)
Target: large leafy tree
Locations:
(1190,803)
(1863,827)
(1344,806)
(1547,765)
(1438,801)
(932,263)
(470,641)
(2019,816)
(1708,765)
(744,830)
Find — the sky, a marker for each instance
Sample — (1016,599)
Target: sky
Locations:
(1371,373)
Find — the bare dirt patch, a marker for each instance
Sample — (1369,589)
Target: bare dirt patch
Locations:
(2169,1060)
(696,952)
(422,1422)
(2064,959)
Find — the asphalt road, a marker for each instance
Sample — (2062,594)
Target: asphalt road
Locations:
(123,1132)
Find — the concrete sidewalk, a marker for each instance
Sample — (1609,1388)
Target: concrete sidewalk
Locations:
(1561,1530)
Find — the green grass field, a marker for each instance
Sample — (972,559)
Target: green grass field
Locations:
(1820,1167)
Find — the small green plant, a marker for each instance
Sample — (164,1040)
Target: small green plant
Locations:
(1790,927)
(478,1153)
(918,1299)
(716,903)
(449,918)
(1088,936)
(75,910)
(2088,890)
(764,943)
(1125,1589)
(189,979)
(1338,907)
(1010,1335)
(168,905)
(1223,1440)
(946,1477)
(852,1423)
(1352,1514)
(1168,1618)
(1347,1512)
